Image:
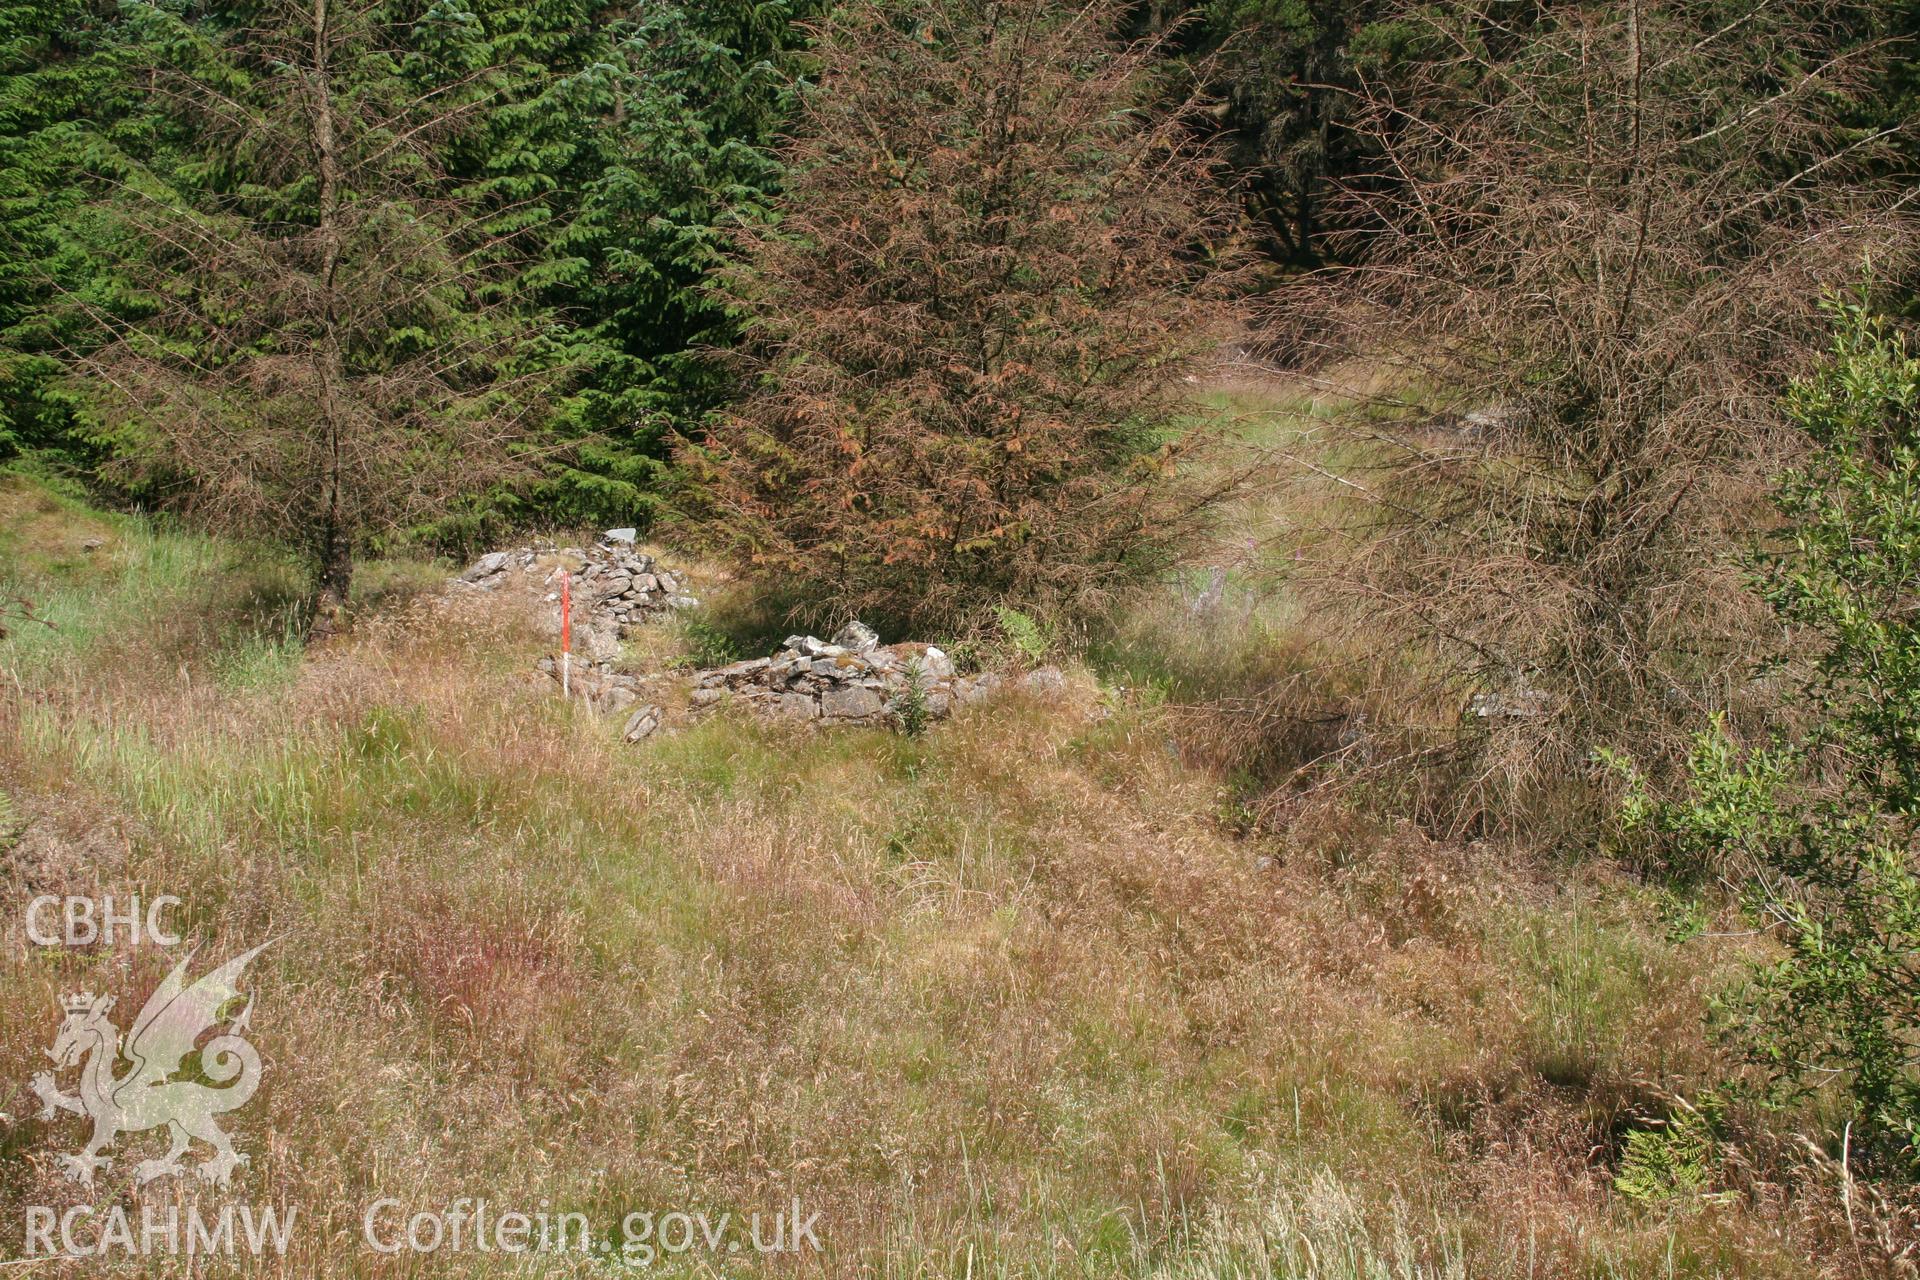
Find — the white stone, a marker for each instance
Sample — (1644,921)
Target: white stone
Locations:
(855,702)
(486,566)
(641,724)
(857,637)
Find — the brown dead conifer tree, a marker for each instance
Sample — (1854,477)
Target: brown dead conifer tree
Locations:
(1592,256)
(329,350)
(995,264)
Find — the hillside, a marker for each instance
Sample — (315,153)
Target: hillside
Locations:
(1017,997)
(960,638)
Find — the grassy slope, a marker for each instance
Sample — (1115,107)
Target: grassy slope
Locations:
(1006,1000)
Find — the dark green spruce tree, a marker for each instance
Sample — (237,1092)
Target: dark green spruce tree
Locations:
(331,345)
(65,92)
(694,99)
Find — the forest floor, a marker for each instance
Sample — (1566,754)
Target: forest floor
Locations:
(1020,997)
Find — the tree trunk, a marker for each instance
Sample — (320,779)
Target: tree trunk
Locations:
(336,541)
(336,576)
(1304,215)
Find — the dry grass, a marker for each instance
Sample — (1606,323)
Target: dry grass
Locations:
(1299,703)
(1010,999)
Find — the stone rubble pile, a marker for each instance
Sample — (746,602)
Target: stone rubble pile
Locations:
(852,679)
(605,691)
(615,588)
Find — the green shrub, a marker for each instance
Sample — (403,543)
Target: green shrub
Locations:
(1820,824)
(912,712)
(707,645)
(1024,632)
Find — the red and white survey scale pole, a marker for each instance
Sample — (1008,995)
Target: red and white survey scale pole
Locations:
(566,633)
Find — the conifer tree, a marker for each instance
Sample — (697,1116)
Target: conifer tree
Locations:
(972,322)
(330,347)
(693,98)
(64,86)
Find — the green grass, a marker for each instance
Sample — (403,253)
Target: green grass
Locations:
(1006,999)
(1590,980)
(93,578)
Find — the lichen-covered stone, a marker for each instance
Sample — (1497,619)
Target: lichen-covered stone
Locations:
(852,680)
(857,637)
(812,680)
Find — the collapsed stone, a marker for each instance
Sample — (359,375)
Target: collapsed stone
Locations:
(641,724)
(852,679)
(857,636)
(603,690)
(820,681)
(616,589)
